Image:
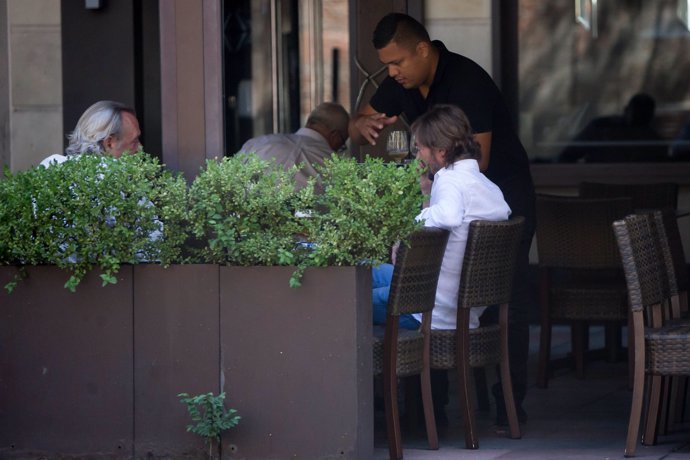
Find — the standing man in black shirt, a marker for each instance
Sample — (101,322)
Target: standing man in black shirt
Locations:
(422,73)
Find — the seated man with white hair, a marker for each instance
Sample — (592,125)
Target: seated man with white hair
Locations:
(105,128)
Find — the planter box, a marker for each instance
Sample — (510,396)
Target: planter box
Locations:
(66,374)
(297,363)
(176,349)
(96,373)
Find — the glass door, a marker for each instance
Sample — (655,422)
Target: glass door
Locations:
(281,58)
(261,80)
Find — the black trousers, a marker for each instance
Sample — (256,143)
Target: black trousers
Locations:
(521,199)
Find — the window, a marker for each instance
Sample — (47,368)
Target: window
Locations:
(580,64)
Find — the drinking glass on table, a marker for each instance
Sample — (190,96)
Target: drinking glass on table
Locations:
(413,146)
(397,147)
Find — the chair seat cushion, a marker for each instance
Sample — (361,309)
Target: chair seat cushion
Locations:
(668,350)
(410,347)
(485,347)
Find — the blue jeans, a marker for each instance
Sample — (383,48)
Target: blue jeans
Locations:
(381,278)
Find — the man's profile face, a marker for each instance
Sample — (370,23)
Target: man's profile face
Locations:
(430,158)
(128,140)
(408,66)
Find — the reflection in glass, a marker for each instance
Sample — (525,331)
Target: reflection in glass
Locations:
(568,78)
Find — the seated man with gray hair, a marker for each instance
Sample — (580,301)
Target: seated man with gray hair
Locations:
(325,132)
(105,128)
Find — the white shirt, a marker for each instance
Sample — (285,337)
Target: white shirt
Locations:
(305,146)
(459,195)
(53,159)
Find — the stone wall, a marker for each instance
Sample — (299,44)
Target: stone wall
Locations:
(34,76)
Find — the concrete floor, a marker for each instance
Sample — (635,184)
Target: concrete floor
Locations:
(571,419)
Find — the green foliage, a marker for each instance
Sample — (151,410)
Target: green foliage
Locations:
(365,208)
(100,212)
(244,209)
(209,415)
(92,211)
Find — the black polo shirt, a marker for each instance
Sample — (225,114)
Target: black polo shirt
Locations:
(461,81)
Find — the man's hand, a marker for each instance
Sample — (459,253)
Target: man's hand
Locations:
(366,126)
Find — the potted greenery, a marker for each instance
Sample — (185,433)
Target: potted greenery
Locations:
(92,212)
(243,209)
(249,213)
(231,318)
(210,418)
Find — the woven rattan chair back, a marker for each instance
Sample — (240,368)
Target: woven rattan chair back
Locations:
(662,195)
(575,233)
(672,250)
(415,276)
(405,353)
(643,263)
(486,279)
(489,263)
(660,344)
(581,278)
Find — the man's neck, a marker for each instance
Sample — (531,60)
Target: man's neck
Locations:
(433,65)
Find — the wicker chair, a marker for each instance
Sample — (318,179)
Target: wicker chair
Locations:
(403,353)
(486,279)
(673,257)
(580,273)
(661,347)
(663,195)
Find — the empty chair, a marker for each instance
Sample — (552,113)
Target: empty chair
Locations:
(673,257)
(402,352)
(661,346)
(661,195)
(486,279)
(581,280)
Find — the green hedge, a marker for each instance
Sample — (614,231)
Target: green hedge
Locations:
(100,212)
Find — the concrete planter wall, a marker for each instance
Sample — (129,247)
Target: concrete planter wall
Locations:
(96,373)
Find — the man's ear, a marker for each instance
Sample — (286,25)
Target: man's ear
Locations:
(440,155)
(108,143)
(423,49)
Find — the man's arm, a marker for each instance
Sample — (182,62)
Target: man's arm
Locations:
(367,124)
(484,140)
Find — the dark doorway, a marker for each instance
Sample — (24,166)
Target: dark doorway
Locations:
(261,69)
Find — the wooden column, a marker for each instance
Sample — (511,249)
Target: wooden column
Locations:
(191,84)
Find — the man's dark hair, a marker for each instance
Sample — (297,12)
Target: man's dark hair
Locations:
(399,28)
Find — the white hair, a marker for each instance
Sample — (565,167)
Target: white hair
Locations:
(102,119)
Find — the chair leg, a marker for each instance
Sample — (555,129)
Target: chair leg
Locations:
(544,333)
(481,388)
(631,353)
(428,404)
(544,355)
(506,380)
(462,359)
(390,390)
(677,402)
(663,422)
(390,399)
(636,404)
(580,341)
(653,409)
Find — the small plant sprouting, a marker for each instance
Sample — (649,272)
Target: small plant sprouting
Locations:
(210,418)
